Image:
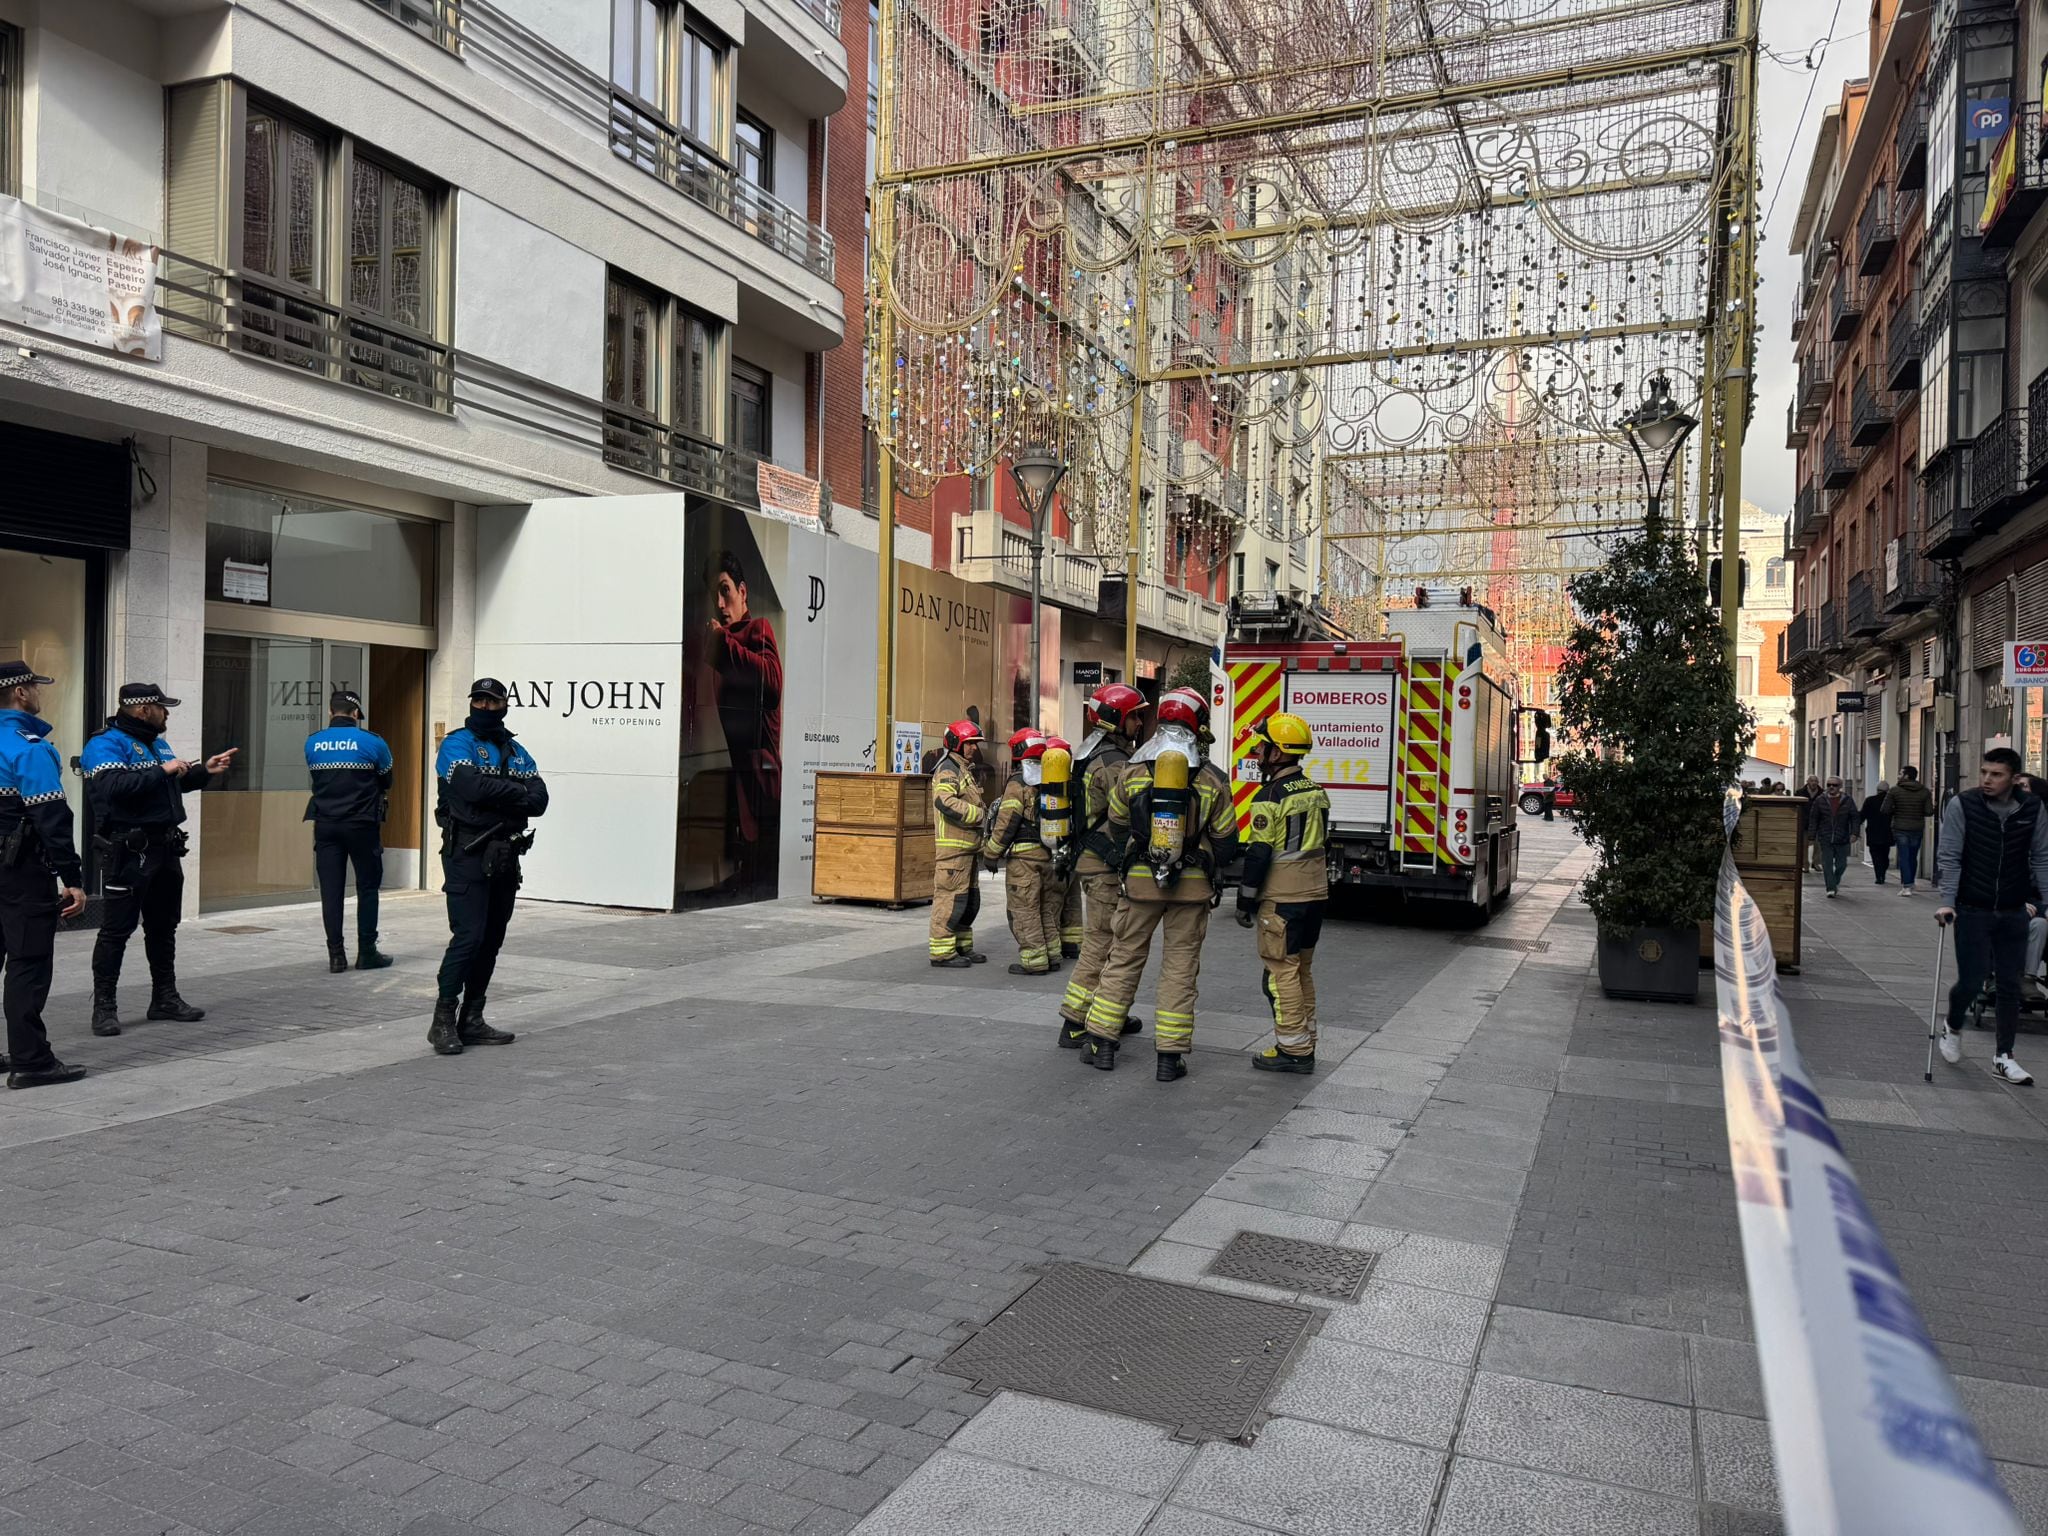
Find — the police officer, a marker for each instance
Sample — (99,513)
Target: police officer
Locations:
(1172,812)
(351,772)
(1286,886)
(958,812)
(37,855)
(137,786)
(1034,890)
(488,789)
(1114,715)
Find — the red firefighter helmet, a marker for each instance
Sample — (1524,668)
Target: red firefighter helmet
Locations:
(1019,737)
(1113,705)
(1059,742)
(960,733)
(1184,706)
(1027,746)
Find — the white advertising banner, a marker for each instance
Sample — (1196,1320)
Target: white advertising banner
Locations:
(1869,1436)
(66,278)
(1352,719)
(2026,664)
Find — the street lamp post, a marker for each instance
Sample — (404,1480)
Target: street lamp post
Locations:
(1038,472)
(1660,426)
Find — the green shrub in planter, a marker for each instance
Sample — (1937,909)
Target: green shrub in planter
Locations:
(1657,734)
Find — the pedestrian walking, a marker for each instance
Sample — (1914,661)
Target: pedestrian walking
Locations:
(1811,791)
(487,789)
(136,785)
(1906,808)
(41,879)
(1831,824)
(1033,892)
(959,812)
(1172,809)
(1992,853)
(1285,888)
(350,766)
(1115,714)
(1877,830)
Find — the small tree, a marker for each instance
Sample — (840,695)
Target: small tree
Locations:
(1657,735)
(1191,671)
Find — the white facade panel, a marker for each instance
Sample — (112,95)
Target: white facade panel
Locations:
(528,299)
(95,132)
(580,28)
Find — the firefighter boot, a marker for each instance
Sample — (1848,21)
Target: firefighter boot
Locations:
(1273,1060)
(106,1014)
(337,960)
(1101,1054)
(953,962)
(471,1029)
(1133,1024)
(164,1002)
(1172,1067)
(1072,1036)
(443,1034)
(1071,951)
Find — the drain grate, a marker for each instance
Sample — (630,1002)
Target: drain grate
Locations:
(242,929)
(1200,1362)
(1501,941)
(1295,1265)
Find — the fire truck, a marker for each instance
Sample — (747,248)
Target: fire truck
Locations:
(1415,739)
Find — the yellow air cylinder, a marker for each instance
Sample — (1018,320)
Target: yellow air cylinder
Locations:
(1055,797)
(1166,842)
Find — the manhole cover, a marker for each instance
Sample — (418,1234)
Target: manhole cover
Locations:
(1200,1362)
(1295,1265)
(243,929)
(1498,941)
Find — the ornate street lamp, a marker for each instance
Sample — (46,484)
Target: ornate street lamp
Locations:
(1659,426)
(1038,470)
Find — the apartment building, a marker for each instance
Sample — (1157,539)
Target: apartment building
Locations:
(1767,607)
(423,266)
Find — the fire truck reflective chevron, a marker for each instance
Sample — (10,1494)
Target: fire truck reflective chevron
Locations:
(1414,743)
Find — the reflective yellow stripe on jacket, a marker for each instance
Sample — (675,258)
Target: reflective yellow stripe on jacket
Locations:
(1014,829)
(956,805)
(1212,826)
(1287,841)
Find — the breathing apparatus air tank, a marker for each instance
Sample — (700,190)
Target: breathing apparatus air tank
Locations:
(1167,837)
(1055,798)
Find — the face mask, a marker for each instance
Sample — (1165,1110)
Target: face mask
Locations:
(487,722)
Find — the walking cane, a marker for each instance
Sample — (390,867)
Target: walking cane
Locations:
(1934,1003)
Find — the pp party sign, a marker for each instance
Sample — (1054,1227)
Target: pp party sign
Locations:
(2026,664)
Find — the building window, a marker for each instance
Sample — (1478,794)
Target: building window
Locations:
(1774,573)
(265,549)
(754,151)
(440,20)
(750,391)
(1745,675)
(10,111)
(668,424)
(676,68)
(364,303)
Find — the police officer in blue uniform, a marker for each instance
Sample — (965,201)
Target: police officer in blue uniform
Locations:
(137,787)
(351,772)
(37,855)
(488,788)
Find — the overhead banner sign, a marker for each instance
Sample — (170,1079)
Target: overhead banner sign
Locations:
(785,493)
(1869,1435)
(66,278)
(2026,664)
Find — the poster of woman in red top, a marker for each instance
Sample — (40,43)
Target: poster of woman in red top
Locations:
(732,738)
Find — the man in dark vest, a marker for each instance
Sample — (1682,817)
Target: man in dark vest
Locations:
(1991,857)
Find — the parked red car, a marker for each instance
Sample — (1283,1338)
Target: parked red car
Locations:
(1537,794)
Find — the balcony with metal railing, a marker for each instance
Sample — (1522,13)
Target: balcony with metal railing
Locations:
(1816,384)
(1871,412)
(1908,577)
(440,20)
(1805,517)
(1796,643)
(2037,412)
(1796,431)
(1877,232)
(1863,617)
(1909,144)
(1826,634)
(1837,469)
(2001,469)
(1904,346)
(2010,202)
(1845,306)
(1948,493)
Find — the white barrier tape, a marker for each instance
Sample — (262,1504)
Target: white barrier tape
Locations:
(1869,1435)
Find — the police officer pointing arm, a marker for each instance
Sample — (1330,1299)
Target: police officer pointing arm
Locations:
(37,855)
(351,771)
(137,785)
(487,789)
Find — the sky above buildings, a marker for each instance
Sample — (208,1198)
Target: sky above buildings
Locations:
(1793,31)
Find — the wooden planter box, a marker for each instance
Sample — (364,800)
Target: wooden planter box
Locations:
(1770,852)
(874,838)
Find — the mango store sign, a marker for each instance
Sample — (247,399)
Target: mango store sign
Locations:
(2026,664)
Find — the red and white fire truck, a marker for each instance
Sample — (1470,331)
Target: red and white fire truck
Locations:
(1415,740)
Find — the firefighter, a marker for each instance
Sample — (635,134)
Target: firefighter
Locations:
(1115,714)
(1033,887)
(1071,924)
(1172,812)
(1286,886)
(957,817)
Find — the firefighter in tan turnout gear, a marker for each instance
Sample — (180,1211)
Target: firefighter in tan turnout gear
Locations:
(1034,888)
(1172,810)
(957,821)
(1071,925)
(1115,715)
(1286,886)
